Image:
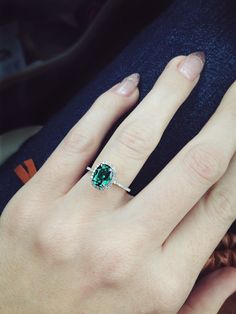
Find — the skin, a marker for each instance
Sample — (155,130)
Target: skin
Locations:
(68,248)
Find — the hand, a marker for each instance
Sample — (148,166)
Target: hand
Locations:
(67,247)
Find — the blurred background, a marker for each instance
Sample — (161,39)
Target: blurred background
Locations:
(49,49)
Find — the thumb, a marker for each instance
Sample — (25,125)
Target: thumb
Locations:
(210,293)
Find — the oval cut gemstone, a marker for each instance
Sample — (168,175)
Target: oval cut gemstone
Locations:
(102,176)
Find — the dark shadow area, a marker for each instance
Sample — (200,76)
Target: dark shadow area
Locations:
(64,53)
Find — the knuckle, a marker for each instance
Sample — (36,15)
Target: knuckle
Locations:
(204,164)
(112,263)
(114,269)
(79,140)
(220,206)
(136,140)
(55,244)
(17,217)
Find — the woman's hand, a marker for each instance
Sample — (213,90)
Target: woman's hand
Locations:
(68,248)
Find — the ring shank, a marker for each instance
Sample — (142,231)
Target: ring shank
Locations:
(122,186)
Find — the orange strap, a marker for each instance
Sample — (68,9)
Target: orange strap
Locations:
(26,174)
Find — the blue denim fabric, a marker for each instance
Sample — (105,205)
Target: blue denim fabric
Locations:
(186,26)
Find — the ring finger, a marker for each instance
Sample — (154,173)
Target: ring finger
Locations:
(66,164)
(138,135)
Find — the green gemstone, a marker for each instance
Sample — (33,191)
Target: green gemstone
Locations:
(102,176)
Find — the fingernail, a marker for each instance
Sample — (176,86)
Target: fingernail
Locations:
(128,85)
(192,65)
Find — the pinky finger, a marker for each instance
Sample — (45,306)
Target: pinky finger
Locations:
(211,292)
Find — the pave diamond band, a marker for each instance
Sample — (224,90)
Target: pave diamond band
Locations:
(104,175)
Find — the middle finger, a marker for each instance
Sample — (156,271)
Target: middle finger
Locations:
(189,175)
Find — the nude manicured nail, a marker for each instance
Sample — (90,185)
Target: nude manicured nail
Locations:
(192,65)
(128,85)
